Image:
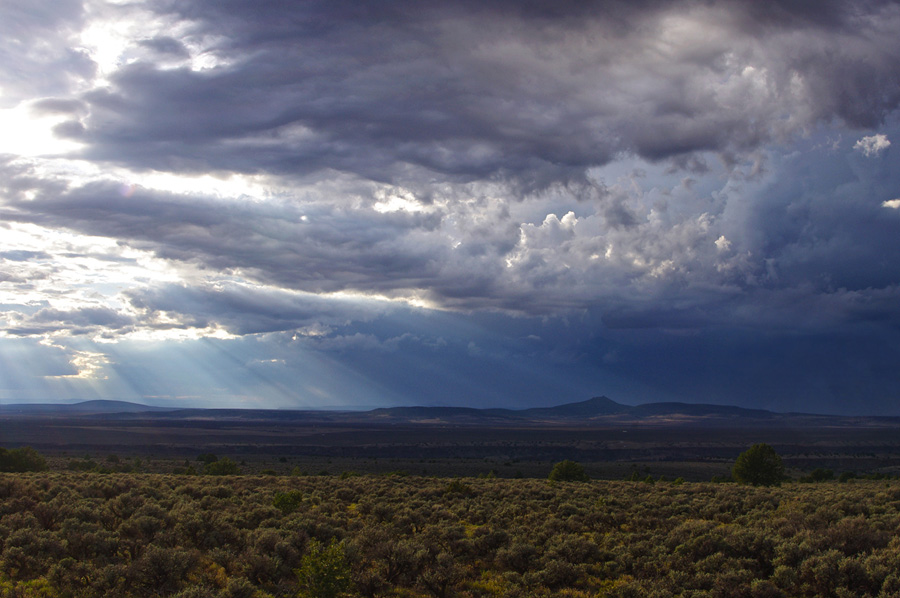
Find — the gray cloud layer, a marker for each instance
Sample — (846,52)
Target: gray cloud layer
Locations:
(510,90)
(645,166)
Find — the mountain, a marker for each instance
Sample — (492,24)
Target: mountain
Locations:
(441,412)
(95,407)
(594,407)
(599,410)
(697,410)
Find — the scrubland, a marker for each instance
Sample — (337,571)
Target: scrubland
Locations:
(88,534)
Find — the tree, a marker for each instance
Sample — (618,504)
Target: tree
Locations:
(22,459)
(568,471)
(759,465)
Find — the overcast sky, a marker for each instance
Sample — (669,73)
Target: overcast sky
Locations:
(349,205)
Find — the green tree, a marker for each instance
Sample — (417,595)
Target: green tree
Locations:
(759,465)
(568,471)
(21,459)
(323,571)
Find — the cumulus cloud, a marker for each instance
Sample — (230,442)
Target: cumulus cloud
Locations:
(872,145)
(891,203)
(460,254)
(630,240)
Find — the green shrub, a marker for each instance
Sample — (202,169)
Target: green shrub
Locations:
(818,475)
(288,502)
(82,465)
(568,471)
(323,571)
(457,486)
(846,477)
(224,466)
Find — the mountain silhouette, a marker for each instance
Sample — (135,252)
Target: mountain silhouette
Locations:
(596,408)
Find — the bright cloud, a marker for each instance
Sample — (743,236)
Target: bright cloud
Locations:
(26,133)
(872,145)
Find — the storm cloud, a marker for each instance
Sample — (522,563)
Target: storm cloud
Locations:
(400,90)
(574,184)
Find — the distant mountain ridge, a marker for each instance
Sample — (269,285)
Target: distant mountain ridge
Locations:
(96,406)
(596,408)
(589,408)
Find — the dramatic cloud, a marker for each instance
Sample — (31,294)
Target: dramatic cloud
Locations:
(399,187)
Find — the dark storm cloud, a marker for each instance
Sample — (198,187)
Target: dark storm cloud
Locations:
(75,321)
(811,250)
(822,221)
(456,258)
(314,246)
(59,106)
(804,250)
(86,317)
(167,46)
(520,91)
(839,371)
(670,198)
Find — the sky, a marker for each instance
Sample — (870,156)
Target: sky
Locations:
(347,205)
